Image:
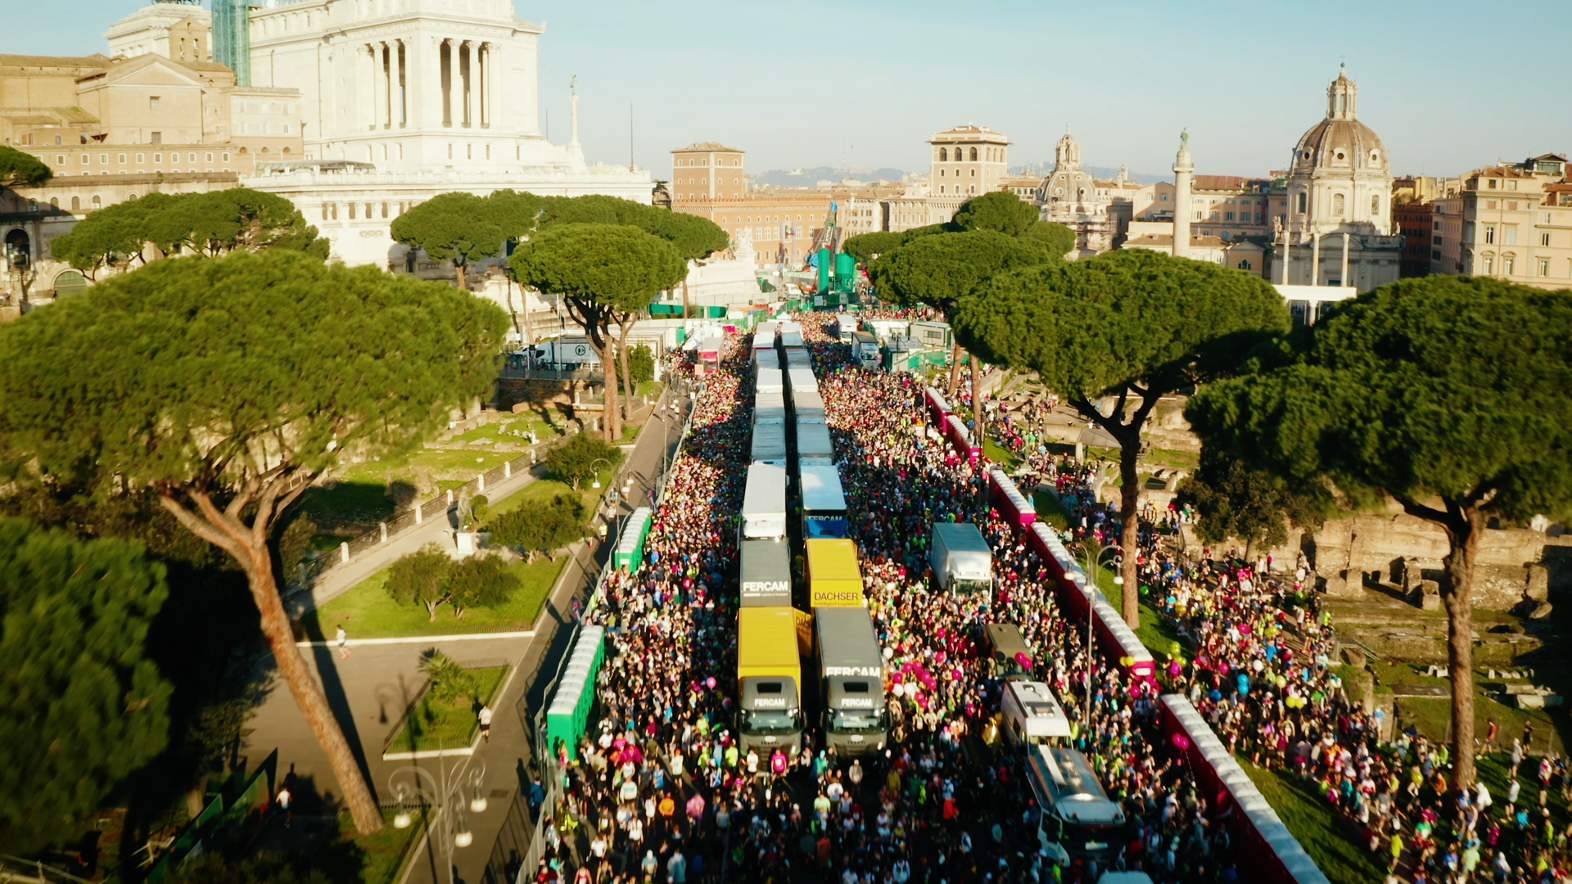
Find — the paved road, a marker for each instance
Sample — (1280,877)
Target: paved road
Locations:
(370,690)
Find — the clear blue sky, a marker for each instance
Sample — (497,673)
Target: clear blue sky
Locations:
(813,82)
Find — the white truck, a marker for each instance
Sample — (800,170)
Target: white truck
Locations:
(764,503)
(769,444)
(960,558)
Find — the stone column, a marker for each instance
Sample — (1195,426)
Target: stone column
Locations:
(379,70)
(1346,282)
(483,55)
(455,87)
(1315,257)
(1183,169)
(401,86)
(367,86)
(467,81)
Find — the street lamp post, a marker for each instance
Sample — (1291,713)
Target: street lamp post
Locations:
(1093,564)
(596,473)
(441,794)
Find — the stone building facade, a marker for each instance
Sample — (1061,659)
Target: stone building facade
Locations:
(1510,222)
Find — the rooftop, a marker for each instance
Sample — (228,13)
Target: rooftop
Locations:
(706,147)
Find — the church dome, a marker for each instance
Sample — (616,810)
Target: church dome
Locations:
(1340,143)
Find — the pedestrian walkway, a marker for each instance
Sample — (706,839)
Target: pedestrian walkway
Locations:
(339,580)
(369,690)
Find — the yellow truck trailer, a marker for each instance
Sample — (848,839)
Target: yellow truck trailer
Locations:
(834,580)
(769,680)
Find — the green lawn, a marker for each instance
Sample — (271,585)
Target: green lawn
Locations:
(1152,632)
(1314,823)
(1432,716)
(367,612)
(1049,510)
(448,725)
(999,455)
(371,859)
(1173,457)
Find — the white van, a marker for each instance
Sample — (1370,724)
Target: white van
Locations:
(1032,714)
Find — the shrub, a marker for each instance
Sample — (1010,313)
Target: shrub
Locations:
(541,529)
(450,682)
(575,460)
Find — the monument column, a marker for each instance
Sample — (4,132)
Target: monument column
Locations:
(1344,277)
(1315,257)
(1183,169)
(455,86)
(379,86)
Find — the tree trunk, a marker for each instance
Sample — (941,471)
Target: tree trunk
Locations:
(622,357)
(611,424)
(1463,537)
(955,371)
(431,611)
(308,693)
(459,266)
(196,796)
(977,409)
(1129,535)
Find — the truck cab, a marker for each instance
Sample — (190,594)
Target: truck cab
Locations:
(851,672)
(769,677)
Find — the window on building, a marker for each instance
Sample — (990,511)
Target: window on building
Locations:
(944,155)
(351,211)
(1544,239)
(1375,206)
(152,103)
(1508,263)
(1509,234)
(158,158)
(226,156)
(1490,234)
(97,203)
(1512,185)
(155,138)
(1437,225)
(1302,200)
(1544,266)
(1338,204)
(1511,205)
(384,210)
(974,154)
(76,203)
(1228,216)
(974,173)
(326,211)
(1243,265)
(1488,265)
(1490,183)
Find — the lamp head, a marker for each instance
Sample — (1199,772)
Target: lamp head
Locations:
(478,803)
(464,838)
(596,483)
(401,819)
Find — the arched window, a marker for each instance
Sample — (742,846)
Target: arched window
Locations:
(76,204)
(1337,204)
(54,202)
(97,203)
(130,196)
(1301,202)
(943,155)
(974,154)
(1375,206)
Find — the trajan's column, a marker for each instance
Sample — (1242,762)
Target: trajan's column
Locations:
(1183,169)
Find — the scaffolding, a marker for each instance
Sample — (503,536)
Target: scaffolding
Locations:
(232,37)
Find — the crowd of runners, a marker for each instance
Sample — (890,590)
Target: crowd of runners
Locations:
(659,791)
